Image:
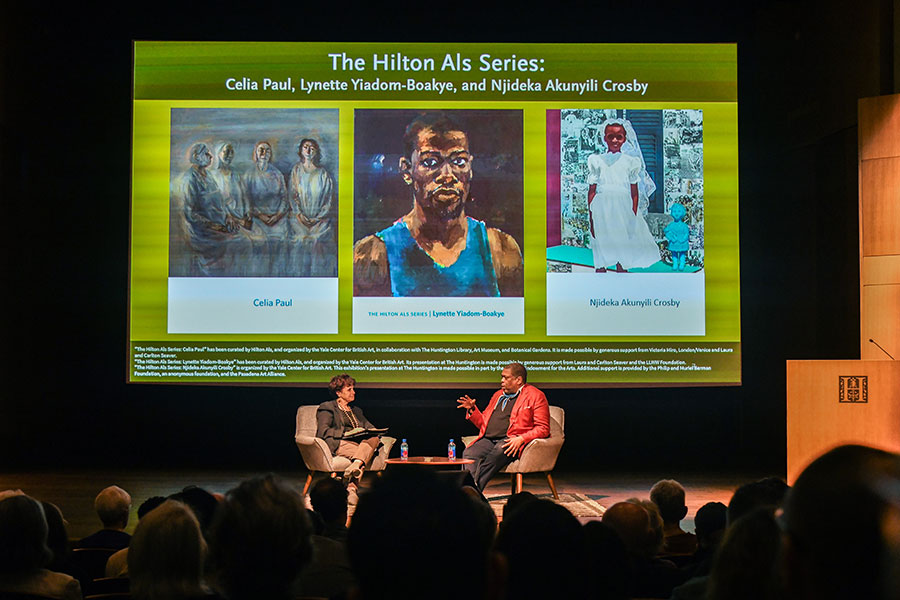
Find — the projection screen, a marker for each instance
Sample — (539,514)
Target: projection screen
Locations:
(423,214)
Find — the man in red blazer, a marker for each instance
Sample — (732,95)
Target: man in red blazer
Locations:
(516,414)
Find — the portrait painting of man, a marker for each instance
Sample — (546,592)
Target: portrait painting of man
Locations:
(438,203)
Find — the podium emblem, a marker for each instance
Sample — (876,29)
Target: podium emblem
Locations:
(853,389)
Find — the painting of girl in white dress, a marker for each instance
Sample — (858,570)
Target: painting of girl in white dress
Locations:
(619,233)
(609,202)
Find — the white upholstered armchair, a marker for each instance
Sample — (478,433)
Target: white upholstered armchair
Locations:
(316,455)
(538,456)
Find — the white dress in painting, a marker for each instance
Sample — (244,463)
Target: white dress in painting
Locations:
(620,236)
(313,249)
(245,243)
(205,223)
(266,192)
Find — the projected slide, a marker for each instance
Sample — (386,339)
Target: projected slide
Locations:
(423,216)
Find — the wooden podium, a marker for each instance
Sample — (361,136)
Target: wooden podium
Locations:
(834,402)
(830,402)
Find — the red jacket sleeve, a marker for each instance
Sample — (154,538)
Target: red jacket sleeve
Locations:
(480,419)
(475,417)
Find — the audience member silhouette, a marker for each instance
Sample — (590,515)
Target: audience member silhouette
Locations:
(117,564)
(655,539)
(889,488)
(834,544)
(544,548)
(746,565)
(259,540)
(166,555)
(607,562)
(750,496)
(632,524)
(202,503)
(329,498)
(426,521)
(517,501)
(668,496)
(709,523)
(329,574)
(487,518)
(58,542)
(24,552)
(112,505)
(650,577)
(149,504)
(316,523)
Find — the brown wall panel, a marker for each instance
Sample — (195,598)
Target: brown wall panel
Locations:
(880,269)
(879,124)
(880,321)
(879,225)
(880,197)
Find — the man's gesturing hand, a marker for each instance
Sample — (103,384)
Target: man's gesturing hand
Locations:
(465,402)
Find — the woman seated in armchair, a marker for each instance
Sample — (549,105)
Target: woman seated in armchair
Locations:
(337,422)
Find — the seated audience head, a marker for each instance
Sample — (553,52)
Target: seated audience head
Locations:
(833,518)
(339,382)
(166,554)
(656,536)
(201,502)
(260,539)
(543,544)
(23,535)
(57,537)
(425,520)
(486,515)
(149,504)
(328,497)
(10,493)
(750,496)
(746,565)
(668,496)
(517,501)
(316,522)
(709,523)
(632,523)
(112,505)
(607,561)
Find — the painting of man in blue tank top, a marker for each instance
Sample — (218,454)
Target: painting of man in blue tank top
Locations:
(437,250)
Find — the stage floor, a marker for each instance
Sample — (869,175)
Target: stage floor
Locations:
(74,491)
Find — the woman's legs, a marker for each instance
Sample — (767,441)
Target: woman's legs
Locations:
(359,453)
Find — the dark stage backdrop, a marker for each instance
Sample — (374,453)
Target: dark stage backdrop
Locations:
(65,107)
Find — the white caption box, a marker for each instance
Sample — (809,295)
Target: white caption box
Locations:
(253,305)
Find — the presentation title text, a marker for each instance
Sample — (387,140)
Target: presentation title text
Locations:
(397,61)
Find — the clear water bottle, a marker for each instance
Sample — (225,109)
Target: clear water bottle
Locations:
(404,450)
(451,450)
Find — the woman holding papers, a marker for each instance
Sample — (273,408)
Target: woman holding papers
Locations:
(345,429)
